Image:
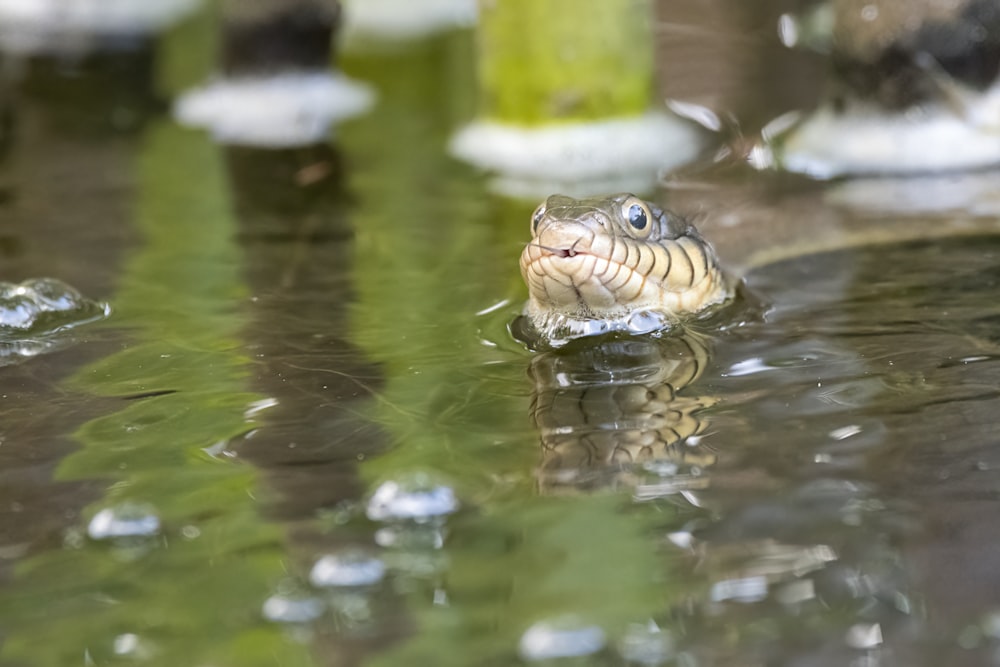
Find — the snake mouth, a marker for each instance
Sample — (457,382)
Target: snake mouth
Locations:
(550,251)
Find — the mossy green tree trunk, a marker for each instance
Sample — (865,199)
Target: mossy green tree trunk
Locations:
(553,60)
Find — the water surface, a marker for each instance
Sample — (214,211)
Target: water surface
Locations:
(816,475)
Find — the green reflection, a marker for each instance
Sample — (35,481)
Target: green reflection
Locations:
(434,250)
(545,60)
(193,595)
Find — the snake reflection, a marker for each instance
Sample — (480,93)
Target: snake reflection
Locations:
(609,411)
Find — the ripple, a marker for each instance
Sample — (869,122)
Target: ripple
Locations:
(133,646)
(16,312)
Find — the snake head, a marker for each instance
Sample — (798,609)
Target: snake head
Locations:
(559,218)
(609,258)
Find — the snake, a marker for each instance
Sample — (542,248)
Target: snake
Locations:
(616,263)
(604,405)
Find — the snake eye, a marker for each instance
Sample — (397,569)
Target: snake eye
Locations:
(637,213)
(637,217)
(536,217)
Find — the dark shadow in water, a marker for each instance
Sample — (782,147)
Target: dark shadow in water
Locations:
(93,96)
(293,213)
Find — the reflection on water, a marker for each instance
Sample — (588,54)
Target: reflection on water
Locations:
(610,410)
(846,430)
(306,433)
(838,419)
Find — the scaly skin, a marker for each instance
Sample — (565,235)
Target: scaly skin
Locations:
(587,262)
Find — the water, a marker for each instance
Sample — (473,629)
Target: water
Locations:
(814,483)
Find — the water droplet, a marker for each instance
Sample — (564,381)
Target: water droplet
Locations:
(749,367)
(497,306)
(864,635)
(746,590)
(292,607)
(974,358)
(348,568)
(40,307)
(702,115)
(219,450)
(256,407)
(788,30)
(661,467)
(845,432)
(125,644)
(132,645)
(127,519)
(644,321)
(413,498)
(681,538)
(565,637)
(53,295)
(17,312)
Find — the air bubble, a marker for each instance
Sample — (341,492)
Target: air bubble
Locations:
(566,637)
(348,568)
(49,303)
(292,607)
(416,498)
(864,636)
(125,520)
(33,312)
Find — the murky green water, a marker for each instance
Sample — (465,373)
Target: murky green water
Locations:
(293,329)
